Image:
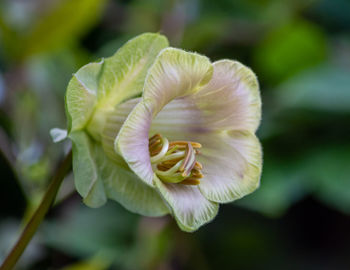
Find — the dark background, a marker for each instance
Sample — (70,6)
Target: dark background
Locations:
(299,218)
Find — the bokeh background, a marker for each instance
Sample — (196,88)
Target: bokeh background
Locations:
(300,216)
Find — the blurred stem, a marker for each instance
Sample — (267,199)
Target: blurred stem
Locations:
(39,214)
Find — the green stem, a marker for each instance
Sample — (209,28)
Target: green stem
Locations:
(39,214)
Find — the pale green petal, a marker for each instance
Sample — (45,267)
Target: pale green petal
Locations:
(132,142)
(232,164)
(114,121)
(92,93)
(124,73)
(189,207)
(125,187)
(81,95)
(97,87)
(174,74)
(98,177)
(85,169)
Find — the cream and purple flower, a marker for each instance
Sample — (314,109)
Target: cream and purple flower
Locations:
(185,146)
(191,135)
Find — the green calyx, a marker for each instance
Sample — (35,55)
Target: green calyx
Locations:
(94,91)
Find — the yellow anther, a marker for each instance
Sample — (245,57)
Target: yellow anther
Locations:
(191,181)
(175,162)
(184,144)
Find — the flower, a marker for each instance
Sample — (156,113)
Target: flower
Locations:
(92,93)
(191,137)
(185,146)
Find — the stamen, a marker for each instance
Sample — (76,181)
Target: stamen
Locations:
(154,145)
(198,166)
(191,166)
(173,156)
(184,144)
(197,175)
(191,181)
(175,162)
(154,137)
(170,171)
(162,152)
(188,154)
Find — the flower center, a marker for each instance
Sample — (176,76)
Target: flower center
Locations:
(175,162)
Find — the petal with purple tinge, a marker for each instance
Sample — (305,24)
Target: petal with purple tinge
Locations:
(232,163)
(189,207)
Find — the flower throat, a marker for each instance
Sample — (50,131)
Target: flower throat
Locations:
(175,162)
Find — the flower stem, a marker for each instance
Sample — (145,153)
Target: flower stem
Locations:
(39,214)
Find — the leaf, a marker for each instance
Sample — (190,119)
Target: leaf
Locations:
(322,171)
(97,262)
(282,184)
(290,49)
(84,232)
(63,25)
(330,172)
(323,88)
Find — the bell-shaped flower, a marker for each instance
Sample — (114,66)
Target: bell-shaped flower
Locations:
(92,93)
(191,137)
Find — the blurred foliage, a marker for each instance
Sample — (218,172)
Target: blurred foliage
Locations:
(300,51)
(289,49)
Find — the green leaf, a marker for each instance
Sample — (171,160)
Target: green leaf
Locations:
(290,49)
(323,171)
(84,232)
(283,183)
(323,88)
(10,40)
(62,26)
(330,172)
(98,262)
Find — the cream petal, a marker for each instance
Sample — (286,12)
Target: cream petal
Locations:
(232,164)
(222,116)
(132,142)
(114,121)
(230,101)
(175,73)
(180,120)
(189,207)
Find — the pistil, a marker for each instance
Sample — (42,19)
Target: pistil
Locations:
(175,162)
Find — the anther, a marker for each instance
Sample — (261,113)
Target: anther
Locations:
(175,162)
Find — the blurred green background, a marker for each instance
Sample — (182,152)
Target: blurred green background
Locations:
(300,51)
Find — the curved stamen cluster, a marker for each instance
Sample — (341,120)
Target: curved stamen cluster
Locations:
(175,162)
